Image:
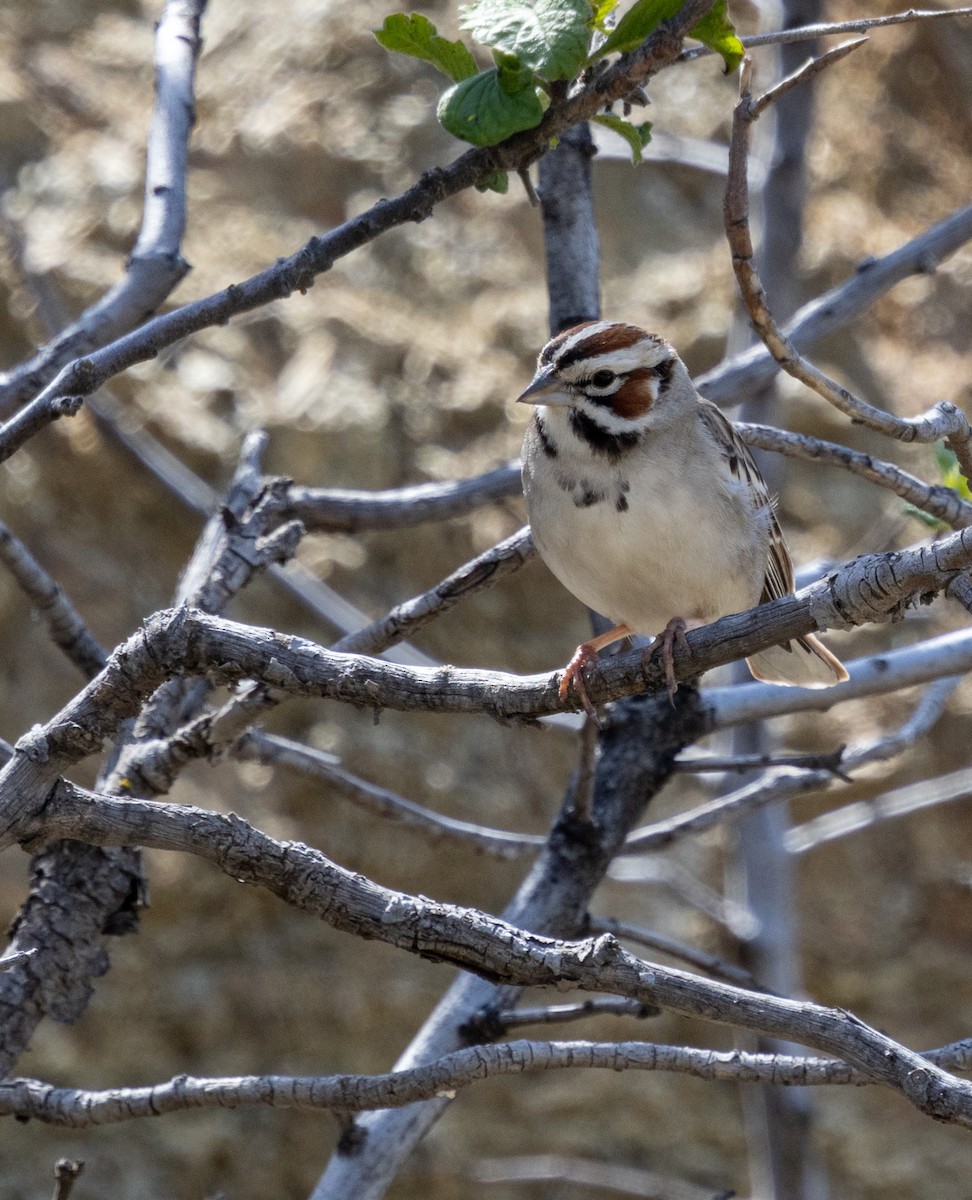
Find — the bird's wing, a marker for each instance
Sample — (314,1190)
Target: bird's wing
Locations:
(778,580)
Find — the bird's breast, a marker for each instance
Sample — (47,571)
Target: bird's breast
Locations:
(644,541)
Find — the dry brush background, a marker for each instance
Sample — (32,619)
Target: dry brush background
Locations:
(400,365)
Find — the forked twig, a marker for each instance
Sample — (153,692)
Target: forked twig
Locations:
(943,420)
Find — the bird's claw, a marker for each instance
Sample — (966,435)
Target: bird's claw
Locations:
(673,632)
(664,643)
(573,677)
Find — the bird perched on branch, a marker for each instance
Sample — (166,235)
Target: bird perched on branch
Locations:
(647,505)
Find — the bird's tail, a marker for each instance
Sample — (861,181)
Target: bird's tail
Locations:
(802,663)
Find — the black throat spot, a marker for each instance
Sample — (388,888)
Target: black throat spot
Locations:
(547,444)
(601,440)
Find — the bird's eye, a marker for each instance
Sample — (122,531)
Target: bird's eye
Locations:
(603,379)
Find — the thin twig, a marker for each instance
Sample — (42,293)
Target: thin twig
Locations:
(64,623)
(66,1172)
(731,381)
(810,33)
(803,74)
(155,265)
(702,960)
(944,420)
(863,814)
(705,763)
(775,784)
(406,619)
(269,748)
(335,510)
(933,498)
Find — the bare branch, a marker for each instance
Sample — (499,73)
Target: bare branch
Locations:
(810,33)
(77,1108)
(803,74)
(64,623)
(717,967)
(155,265)
(729,383)
(64,395)
(339,511)
(571,245)
(268,748)
(183,641)
(875,675)
(406,619)
(488,946)
(776,785)
(863,814)
(936,499)
(81,893)
(944,420)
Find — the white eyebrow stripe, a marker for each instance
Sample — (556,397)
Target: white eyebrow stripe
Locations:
(582,335)
(646,353)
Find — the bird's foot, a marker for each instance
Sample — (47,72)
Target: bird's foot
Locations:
(573,677)
(673,632)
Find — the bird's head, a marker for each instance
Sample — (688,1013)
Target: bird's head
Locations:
(617,376)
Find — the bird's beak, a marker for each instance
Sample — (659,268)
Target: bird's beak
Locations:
(545,389)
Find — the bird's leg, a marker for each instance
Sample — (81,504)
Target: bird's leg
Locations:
(673,632)
(587,653)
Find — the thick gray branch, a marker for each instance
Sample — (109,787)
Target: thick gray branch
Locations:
(80,1109)
(872,588)
(490,947)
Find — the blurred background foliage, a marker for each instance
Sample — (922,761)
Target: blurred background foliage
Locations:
(401,365)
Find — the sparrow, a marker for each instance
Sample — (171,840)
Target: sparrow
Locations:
(647,505)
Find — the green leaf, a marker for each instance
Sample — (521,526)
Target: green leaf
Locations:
(636,24)
(951,476)
(637,136)
(478,110)
(926,518)
(552,37)
(950,471)
(499,181)
(417,36)
(513,75)
(716,31)
(602,10)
